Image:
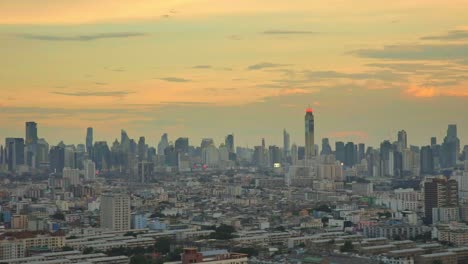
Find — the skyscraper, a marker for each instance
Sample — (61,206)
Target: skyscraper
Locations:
(349,154)
(402,139)
(433,141)
(326,149)
(286,143)
(14,152)
(89,141)
(340,151)
(181,145)
(115,211)
(163,144)
(229,142)
(427,160)
(309,134)
(439,193)
(57,159)
(31,133)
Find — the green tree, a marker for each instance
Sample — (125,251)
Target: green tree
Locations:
(223,232)
(163,245)
(347,247)
(139,259)
(437,261)
(88,250)
(67,248)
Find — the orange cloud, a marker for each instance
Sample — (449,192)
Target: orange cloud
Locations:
(360,135)
(415,91)
(294,91)
(428,92)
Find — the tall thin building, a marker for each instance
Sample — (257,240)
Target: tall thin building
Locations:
(115,211)
(326,148)
(286,143)
(31,133)
(309,134)
(229,142)
(163,144)
(89,141)
(14,152)
(403,139)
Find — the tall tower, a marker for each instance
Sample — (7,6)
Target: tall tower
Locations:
(286,143)
(89,140)
(31,133)
(309,134)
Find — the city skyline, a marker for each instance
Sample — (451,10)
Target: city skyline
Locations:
(220,139)
(197,67)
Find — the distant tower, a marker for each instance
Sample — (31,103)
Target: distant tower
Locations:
(31,133)
(286,143)
(403,139)
(89,140)
(309,134)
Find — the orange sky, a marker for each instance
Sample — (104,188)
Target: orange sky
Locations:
(208,68)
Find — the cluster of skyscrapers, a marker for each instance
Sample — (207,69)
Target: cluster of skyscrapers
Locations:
(136,157)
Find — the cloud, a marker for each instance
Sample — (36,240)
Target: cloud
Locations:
(288,32)
(295,91)
(175,79)
(451,35)
(201,67)
(424,92)
(360,135)
(428,92)
(384,75)
(90,37)
(234,37)
(453,52)
(95,93)
(264,65)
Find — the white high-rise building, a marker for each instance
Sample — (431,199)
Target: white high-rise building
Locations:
(73,175)
(115,211)
(89,170)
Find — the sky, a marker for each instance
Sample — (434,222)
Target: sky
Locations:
(208,68)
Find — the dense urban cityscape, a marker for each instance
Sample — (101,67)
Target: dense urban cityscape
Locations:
(130,202)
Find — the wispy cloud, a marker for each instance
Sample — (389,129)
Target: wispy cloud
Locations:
(454,52)
(451,35)
(175,79)
(264,65)
(94,93)
(90,37)
(288,32)
(202,67)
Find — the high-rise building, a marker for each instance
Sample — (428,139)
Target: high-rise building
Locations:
(206,142)
(31,133)
(142,149)
(286,144)
(229,142)
(361,152)
(57,159)
(439,193)
(450,148)
(402,139)
(89,170)
(340,151)
(73,176)
(163,144)
(89,141)
(181,145)
(433,141)
(14,152)
(326,148)
(349,154)
(309,134)
(115,211)
(427,160)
